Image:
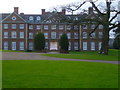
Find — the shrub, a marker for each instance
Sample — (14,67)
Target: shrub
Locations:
(39,41)
(64,42)
(116,43)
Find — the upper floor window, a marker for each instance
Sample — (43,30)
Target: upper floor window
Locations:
(38,27)
(60,34)
(68,27)
(13,26)
(46,35)
(53,27)
(84,26)
(75,35)
(61,27)
(31,18)
(30,27)
(13,34)
(100,35)
(85,35)
(21,34)
(5,34)
(75,27)
(53,35)
(45,27)
(5,26)
(38,18)
(100,27)
(30,35)
(92,35)
(21,26)
(93,26)
(69,35)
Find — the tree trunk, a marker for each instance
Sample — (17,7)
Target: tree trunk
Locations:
(105,42)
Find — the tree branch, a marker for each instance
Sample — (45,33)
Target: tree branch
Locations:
(114,26)
(114,16)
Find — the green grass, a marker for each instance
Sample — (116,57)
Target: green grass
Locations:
(113,55)
(58,74)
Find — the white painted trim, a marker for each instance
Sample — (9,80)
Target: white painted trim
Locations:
(16,15)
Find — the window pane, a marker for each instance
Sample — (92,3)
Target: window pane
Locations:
(46,35)
(14,35)
(45,27)
(75,45)
(53,35)
(85,35)
(92,45)
(5,26)
(53,27)
(84,45)
(5,34)
(21,45)
(13,26)
(21,34)
(5,45)
(13,45)
(21,26)
(61,27)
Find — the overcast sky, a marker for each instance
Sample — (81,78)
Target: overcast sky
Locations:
(31,6)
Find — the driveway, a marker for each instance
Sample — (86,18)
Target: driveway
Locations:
(38,56)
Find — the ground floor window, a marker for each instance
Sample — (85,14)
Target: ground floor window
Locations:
(92,46)
(13,45)
(21,45)
(99,45)
(46,45)
(84,45)
(69,48)
(75,45)
(5,45)
(30,45)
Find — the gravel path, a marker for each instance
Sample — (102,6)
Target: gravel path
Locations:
(38,56)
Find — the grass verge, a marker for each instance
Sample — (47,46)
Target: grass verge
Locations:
(113,55)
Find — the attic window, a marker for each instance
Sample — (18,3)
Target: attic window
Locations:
(31,18)
(13,18)
(38,18)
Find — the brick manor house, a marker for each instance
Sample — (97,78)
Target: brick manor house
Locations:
(18,31)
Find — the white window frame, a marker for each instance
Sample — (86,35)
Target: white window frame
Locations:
(69,35)
(14,26)
(21,26)
(75,35)
(84,26)
(100,35)
(69,48)
(46,45)
(93,35)
(30,18)
(13,45)
(100,26)
(5,26)
(61,27)
(53,35)
(30,27)
(13,34)
(21,34)
(30,45)
(99,45)
(46,35)
(21,46)
(93,26)
(5,34)
(46,27)
(38,27)
(60,34)
(5,45)
(76,27)
(92,46)
(30,35)
(85,35)
(84,46)
(76,45)
(38,18)
(53,27)
(68,27)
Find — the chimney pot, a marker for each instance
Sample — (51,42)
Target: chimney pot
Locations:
(90,10)
(16,10)
(43,11)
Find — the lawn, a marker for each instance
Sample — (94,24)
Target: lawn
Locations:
(113,55)
(58,74)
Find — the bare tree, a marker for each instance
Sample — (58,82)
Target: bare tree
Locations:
(104,16)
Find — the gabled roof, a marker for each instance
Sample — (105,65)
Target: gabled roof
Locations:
(5,17)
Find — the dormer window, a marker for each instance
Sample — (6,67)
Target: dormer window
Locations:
(31,18)
(38,18)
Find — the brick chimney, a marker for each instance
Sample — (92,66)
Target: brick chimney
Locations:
(16,10)
(63,11)
(90,10)
(43,11)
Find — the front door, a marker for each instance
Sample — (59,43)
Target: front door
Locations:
(53,46)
